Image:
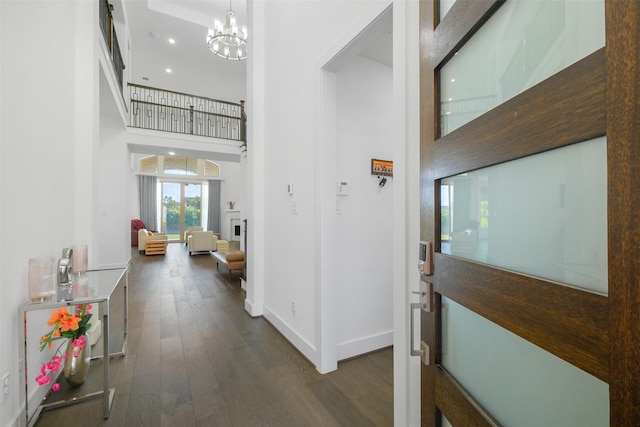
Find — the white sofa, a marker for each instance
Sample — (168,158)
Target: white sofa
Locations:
(202,241)
(144,235)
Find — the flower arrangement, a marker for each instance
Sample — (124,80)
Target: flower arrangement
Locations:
(65,326)
(231,203)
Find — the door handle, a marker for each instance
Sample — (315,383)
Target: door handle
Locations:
(423,351)
(414,351)
(427,304)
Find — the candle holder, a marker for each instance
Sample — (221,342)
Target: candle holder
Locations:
(42,279)
(80,259)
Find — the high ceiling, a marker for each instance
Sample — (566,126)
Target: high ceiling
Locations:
(153,22)
(194,68)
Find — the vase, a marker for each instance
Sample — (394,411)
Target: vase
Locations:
(76,364)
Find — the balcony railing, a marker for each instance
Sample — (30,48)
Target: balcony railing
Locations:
(111,39)
(165,110)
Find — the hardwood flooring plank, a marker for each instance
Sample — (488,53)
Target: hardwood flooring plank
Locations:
(339,405)
(196,358)
(144,400)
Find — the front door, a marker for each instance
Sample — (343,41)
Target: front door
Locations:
(529,171)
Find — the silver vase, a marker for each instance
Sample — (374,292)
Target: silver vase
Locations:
(76,365)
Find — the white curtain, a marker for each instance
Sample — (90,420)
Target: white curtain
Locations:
(148,190)
(213,220)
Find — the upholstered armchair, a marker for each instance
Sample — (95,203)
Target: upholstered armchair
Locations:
(202,241)
(159,241)
(188,233)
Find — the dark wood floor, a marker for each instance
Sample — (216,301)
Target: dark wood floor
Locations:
(196,358)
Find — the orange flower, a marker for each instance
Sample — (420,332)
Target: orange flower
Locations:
(58,315)
(56,332)
(71,323)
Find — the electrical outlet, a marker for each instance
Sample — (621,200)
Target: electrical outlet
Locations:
(293,307)
(6,386)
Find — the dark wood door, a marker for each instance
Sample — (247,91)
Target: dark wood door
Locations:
(597,96)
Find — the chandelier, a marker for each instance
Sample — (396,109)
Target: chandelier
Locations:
(225,40)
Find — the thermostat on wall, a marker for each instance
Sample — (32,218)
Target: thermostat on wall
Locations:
(341,188)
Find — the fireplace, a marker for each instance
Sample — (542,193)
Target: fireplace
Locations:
(235,228)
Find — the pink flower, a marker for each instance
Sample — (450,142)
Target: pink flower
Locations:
(79,342)
(80,307)
(56,387)
(43,378)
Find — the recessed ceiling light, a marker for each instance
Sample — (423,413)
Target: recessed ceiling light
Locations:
(153,34)
(172,153)
(168,70)
(172,41)
(453,80)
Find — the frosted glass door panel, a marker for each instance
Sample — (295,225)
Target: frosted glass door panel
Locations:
(524,42)
(518,383)
(543,215)
(445,5)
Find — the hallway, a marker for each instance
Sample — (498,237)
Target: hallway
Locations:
(196,358)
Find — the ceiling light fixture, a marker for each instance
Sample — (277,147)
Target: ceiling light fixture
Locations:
(225,40)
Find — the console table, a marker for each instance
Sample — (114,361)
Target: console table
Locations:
(92,287)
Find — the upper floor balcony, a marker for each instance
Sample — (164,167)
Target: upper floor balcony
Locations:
(169,111)
(165,110)
(111,39)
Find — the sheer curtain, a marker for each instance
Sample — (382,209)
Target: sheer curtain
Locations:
(213,220)
(148,190)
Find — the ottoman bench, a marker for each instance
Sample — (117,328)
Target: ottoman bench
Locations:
(231,260)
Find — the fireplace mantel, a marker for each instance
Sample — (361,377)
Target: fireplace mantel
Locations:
(230,230)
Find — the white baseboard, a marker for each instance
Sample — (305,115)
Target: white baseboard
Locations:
(20,420)
(304,347)
(365,345)
(253,310)
(243,284)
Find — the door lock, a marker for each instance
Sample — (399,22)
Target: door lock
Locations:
(426,259)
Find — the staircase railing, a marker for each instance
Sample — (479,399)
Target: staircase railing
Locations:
(165,110)
(111,39)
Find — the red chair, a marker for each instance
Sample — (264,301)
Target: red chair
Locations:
(136,225)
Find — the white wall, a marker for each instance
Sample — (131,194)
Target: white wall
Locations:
(113,226)
(37,161)
(51,168)
(286,124)
(363,245)
(286,105)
